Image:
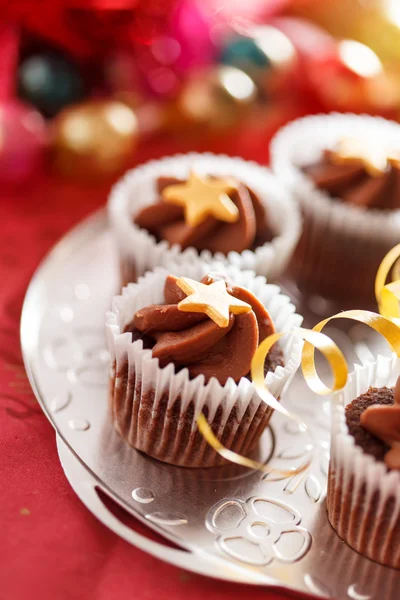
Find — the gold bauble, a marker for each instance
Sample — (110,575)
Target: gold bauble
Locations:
(375,23)
(217,97)
(94,138)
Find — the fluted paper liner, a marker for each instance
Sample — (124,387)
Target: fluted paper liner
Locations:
(341,245)
(139,251)
(363,495)
(155,410)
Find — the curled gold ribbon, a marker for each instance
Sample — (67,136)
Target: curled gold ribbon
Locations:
(238,459)
(335,358)
(258,377)
(396,270)
(388,294)
(313,339)
(383,325)
(387,324)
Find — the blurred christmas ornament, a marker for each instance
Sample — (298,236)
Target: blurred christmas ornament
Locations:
(380,29)
(121,75)
(340,18)
(87,29)
(354,79)
(311,43)
(184,44)
(162,82)
(156,67)
(244,52)
(49,82)
(375,23)
(150,19)
(94,138)
(263,47)
(103,24)
(217,97)
(22,141)
(266,54)
(190,25)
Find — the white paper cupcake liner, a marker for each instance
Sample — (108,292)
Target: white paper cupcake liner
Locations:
(342,245)
(363,496)
(155,410)
(140,252)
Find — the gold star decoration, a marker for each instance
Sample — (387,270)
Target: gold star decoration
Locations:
(374,158)
(213,300)
(202,197)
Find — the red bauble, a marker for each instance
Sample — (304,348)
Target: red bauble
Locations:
(353,79)
(313,45)
(88,28)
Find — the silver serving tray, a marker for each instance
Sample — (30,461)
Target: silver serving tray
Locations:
(228,522)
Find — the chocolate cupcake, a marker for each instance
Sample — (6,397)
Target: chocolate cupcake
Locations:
(344,170)
(358,175)
(202,207)
(181,343)
(364,477)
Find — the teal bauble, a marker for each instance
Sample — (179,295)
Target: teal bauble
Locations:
(264,53)
(245,54)
(49,82)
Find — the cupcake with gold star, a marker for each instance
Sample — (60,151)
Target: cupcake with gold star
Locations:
(344,171)
(202,207)
(363,499)
(181,342)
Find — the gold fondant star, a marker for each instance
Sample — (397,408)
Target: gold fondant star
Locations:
(202,197)
(213,300)
(374,158)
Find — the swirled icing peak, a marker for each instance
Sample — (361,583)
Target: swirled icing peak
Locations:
(194,341)
(365,177)
(217,214)
(375,159)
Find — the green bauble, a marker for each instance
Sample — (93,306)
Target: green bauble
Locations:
(50,82)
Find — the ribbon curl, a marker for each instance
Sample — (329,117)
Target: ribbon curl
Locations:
(388,294)
(238,459)
(387,324)
(339,367)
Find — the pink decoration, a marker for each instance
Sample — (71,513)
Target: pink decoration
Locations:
(22,129)
(190,26)
(22,141)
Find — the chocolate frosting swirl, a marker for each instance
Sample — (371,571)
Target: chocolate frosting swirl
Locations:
(166,222)
(194,341)
(353,184)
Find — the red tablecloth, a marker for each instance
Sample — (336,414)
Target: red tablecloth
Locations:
(51,546)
